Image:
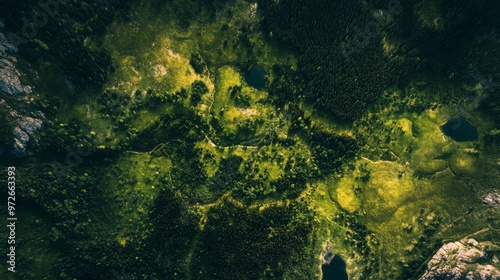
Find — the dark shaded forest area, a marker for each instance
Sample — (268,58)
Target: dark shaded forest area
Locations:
(345,66)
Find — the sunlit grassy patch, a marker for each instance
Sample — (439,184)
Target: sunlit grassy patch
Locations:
(346,196)
(463,163)
(387,188)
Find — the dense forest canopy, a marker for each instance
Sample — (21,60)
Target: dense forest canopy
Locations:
(349,54)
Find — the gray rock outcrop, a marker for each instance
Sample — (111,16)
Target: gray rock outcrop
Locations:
(25,126)
(492,199)
(466,259)
(10,83)
(24,134)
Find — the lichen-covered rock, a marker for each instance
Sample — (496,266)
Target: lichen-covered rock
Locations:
(466,259)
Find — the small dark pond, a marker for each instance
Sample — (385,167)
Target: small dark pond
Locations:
(256,78)
(460,129)
(335,270)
